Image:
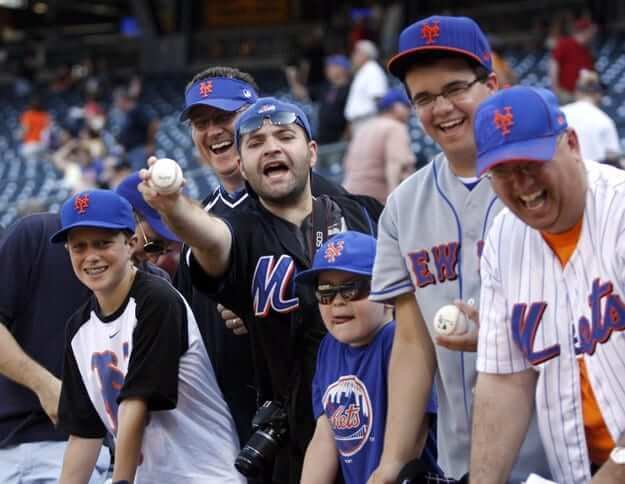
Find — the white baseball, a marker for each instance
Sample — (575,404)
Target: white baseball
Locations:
(450,320)
(166,176)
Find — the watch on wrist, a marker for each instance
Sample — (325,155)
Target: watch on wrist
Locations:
(618,455)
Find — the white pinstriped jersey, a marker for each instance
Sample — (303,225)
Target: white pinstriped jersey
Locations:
(536,314)
(429,242)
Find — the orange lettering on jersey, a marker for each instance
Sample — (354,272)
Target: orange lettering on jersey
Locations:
(504,121)
(430,32)
(206,88)
(81,203)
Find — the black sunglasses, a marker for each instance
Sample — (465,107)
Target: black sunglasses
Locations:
(153,247)
(277,118)
(350,291)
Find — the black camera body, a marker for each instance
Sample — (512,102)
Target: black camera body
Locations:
(270,426)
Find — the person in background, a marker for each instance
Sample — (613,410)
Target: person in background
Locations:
(331,115)
(158,247)
(34,124)
(598,137)
(570,55)
(379,155)
(369,84)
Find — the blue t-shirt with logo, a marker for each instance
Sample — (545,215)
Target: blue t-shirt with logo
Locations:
(350,387)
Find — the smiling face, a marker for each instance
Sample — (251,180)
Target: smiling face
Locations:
(449,121)
(101,260)
(212,131)
(548,196)
(276,161)
(350,322)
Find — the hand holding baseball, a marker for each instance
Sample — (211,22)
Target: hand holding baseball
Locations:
(165,176)
(457,331)
(161,196)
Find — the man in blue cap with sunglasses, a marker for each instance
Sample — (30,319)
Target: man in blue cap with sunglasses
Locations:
(248,261)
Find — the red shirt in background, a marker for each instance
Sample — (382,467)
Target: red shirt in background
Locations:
(571,57)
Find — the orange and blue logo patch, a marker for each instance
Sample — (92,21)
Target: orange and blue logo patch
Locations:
(504,121)
(81,203)
(206,88)
(348,407)
(334,250)
(430,32)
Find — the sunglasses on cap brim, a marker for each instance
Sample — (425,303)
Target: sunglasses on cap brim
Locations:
(277,118)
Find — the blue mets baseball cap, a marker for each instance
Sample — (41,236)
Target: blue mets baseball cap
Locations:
(460,35)
(278,112)
(128,189)
(222,93)
(350,251)
(395,95)
(517,123)
(338,60)
(102,209)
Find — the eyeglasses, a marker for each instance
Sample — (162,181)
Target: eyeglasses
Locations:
(452,92)
(151,247)
(277,118)
(505,172)
(350,291)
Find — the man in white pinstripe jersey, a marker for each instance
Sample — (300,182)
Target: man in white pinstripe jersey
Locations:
(553,297)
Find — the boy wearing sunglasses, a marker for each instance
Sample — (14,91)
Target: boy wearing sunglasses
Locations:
(349,387)
(158,248)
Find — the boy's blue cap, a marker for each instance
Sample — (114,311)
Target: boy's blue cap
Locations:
(339,60)
(439,33)
(395,95)
(350,251)
(222,93)
(265,107)
(128,189)
(102,209)
(518,123)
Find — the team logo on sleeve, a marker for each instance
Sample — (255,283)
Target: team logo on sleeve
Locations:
(348,408)
(271,285)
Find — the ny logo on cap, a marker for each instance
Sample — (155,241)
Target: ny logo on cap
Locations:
(505,120)
(334,250)
(247,93)
(430,32)
(81,203)
(206,87)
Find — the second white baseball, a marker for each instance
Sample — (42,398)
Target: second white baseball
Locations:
(450,320)
(166,176)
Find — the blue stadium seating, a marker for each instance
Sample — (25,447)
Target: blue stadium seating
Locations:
(21,180)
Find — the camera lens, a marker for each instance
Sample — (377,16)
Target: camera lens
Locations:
(260,449)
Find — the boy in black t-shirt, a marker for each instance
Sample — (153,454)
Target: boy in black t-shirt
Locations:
(134,354)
